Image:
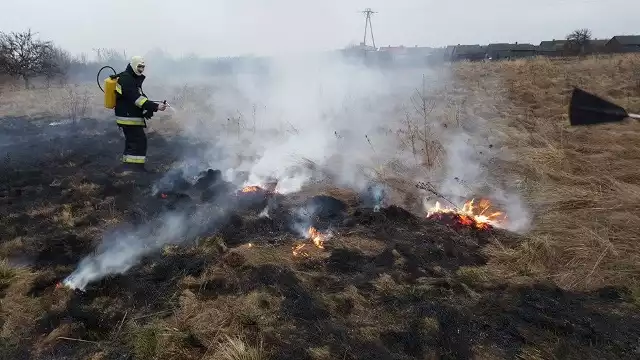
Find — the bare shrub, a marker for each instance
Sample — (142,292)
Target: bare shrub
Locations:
(24,56)
(75,102)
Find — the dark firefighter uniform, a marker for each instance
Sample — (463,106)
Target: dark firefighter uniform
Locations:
(132,110)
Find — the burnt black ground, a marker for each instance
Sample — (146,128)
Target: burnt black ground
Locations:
(425,311)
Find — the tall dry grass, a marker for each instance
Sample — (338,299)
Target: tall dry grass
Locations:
(71,101)
(583,184)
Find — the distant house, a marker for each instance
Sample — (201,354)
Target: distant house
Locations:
(418,55)
(448,53)
(552,48)
(624,44)
(358,51)
(419,51)
(502,51)
(395,50)
(439,55)
(596,46)
(469,52)
(523,50)
(498,51)
(403,55)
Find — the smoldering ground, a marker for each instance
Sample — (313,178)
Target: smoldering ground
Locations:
(191,209)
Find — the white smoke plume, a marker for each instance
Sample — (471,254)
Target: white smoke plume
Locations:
(344,118)
(470,151)
(340,116)
(120,251)
(310,115)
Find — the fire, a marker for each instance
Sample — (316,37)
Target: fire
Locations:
(61,285)
(317,238)
(479,216)
(250,189)
(297,250)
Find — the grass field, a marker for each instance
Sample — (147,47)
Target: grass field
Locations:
(581,182)
(389,284)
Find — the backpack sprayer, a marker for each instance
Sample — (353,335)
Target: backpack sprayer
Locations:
(110,85)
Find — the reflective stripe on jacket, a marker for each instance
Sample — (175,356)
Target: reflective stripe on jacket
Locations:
(133,159)
(130,121)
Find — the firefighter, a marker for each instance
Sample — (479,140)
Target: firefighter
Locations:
(132,110)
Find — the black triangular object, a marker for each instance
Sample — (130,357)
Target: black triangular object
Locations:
(588,109)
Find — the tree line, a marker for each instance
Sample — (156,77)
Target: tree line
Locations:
(24,56)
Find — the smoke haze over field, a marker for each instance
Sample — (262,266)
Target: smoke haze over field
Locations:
(323,110)
(227,28)
(306,114)
(349,121)
(346,119)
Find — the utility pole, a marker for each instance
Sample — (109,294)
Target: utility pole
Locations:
(367,23)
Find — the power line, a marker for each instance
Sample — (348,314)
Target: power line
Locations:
(367,23)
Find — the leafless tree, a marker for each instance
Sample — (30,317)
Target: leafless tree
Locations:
(24,56)
(105,56)
(578,40)
(57,66)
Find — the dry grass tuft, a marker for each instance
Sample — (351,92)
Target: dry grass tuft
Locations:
(320,353)
(471,275)
(19,311)
(7,273)
(385,285)
(144,342)
(236,348)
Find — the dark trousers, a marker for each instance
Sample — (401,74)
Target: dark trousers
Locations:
(135,144)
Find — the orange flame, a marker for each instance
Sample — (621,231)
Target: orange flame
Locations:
(479,216)
(297,250)
(252,188)
(317,238)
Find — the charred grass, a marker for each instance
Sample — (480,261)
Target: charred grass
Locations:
(388,285)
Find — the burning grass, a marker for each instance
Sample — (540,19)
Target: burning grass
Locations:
(480,217)
(317,239)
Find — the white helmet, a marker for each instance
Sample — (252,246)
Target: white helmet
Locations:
(137,64)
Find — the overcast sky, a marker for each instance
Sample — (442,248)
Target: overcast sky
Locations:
(264,27)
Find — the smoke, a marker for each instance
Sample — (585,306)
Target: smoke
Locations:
(303,119)
(121,250)
(468,172)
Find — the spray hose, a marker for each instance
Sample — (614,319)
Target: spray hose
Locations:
(98,75)
(114,75)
